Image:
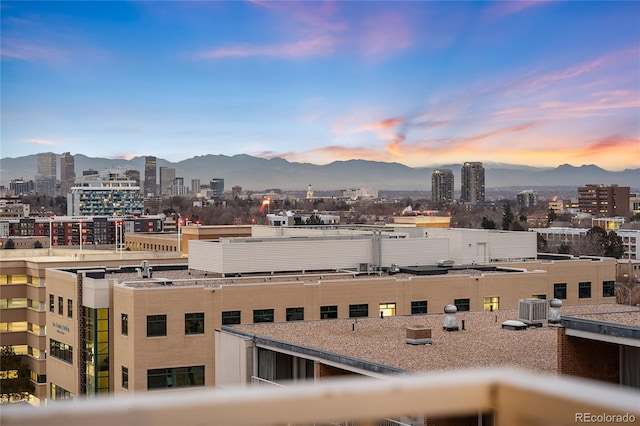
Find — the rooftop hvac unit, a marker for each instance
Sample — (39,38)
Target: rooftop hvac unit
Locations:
(532,311)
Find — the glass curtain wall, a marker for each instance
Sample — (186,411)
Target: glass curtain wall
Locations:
(95,323)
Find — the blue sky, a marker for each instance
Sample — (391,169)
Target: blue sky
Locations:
(419,83)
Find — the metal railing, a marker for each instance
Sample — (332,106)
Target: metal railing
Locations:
(510,397)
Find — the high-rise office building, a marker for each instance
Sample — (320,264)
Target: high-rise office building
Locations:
(528,198)
(167,175)
(217,186)
(150,182)
(472,183)
(67,172)
(600,200)
(133,175)
(195,186)
(442,186)
(46,177)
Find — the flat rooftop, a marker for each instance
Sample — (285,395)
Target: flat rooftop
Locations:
(483,343)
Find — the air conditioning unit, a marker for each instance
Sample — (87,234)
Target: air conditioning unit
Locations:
(532,311)
(363,267)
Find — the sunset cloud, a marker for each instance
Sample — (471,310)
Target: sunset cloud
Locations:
(38,141)
(321,46)
(385,124)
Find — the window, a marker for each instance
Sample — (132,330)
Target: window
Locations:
(125,377)
(51,303)
(361,310)
(38,378)
(491,304)
(328,312)
(262,315)
(560,291)
(295,314)
(584,290)
(194,323)
(58,392)
(230,317)
(462,304)
(124,324)
(60,305)
(387,309)
(608,288)
(69,308)
(419,307)
(180,377)
(61,351)
(156,325)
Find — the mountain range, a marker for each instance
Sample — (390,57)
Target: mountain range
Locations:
(258,174)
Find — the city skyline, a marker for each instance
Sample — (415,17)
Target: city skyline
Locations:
(418,83)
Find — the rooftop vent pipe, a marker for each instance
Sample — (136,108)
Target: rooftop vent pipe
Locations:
(450,321)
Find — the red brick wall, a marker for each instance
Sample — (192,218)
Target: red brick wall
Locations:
(588,358)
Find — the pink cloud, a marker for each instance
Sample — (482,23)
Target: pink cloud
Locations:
(501,9)
(31,52)
(321,46)
(39,141)
(383,124)
(384,33)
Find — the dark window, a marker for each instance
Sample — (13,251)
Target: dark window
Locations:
(230,317)
(60,305)
(61,351)
(295,314)
(58,393)
(584,290)
(360,310)
(156,325)
(52,303)
(125,377)
(462,304)
(262,315)
(124,324)
(560,291)
(419,307)
(38,378)
(180,377)
(608,288)
(328,312)
(70,308)
(194,323)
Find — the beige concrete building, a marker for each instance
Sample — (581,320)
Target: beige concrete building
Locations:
(160,330)
(119,325)
(170,241)
(32,313)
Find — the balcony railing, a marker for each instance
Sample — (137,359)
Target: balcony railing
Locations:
(510,397)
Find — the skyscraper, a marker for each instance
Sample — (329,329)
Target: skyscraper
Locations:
(167,175)
(472,183)
(442,186)
(133,175)
(46,177)
(217,186)
(195,186)
(150,182)
(67,172)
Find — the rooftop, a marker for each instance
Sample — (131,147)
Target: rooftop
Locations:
(482,344)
